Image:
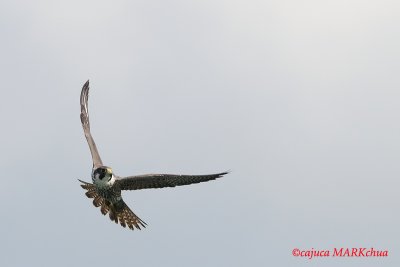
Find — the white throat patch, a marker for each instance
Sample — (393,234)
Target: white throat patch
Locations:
(104,183)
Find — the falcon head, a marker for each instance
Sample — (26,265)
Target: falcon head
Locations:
(103,176)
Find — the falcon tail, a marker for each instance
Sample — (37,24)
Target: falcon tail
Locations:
(118,212)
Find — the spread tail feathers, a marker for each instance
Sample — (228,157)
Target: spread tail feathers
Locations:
(118,212)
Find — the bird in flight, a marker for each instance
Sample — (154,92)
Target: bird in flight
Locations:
(107,186)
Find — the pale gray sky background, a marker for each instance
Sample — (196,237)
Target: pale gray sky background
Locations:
(299,99)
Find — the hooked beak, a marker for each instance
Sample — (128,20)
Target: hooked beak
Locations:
(109,171)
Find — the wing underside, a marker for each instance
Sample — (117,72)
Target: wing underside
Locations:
(86,125)
(164,180)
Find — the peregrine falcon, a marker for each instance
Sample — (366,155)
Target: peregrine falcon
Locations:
(107,186)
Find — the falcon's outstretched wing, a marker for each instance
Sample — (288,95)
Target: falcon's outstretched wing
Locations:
(163,180)
(86,125)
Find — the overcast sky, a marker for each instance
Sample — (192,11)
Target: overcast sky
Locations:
(299,99)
